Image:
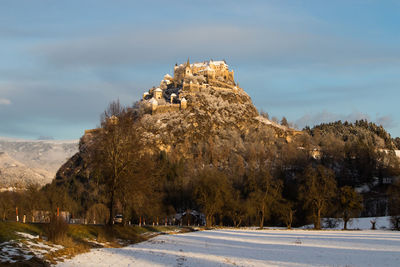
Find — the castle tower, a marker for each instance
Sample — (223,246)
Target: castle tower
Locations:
(158,93)
(183,103)
(172,97)
(154,104)
(188,70)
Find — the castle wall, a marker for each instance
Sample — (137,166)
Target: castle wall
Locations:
(92,131)
(167,108)
(210,70)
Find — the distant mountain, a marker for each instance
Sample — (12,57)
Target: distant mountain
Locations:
(32,161)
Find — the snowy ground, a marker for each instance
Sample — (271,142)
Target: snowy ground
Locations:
(246,247)
(357,223)
(26,248)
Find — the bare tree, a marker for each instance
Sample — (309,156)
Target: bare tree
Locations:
(394,204)
(6,205)
(350,204)
(317,191)
(266,196)
(238,208)
(115,152)
(287,212)
(211,192)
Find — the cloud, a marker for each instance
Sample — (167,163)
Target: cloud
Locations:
(265,45)
(5,101)
(285,57)
(386,121)
(63,111)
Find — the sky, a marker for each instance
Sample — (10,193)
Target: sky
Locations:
(63,62)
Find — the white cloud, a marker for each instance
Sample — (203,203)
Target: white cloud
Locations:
(5,101)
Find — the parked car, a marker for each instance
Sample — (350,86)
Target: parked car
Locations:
(118,219)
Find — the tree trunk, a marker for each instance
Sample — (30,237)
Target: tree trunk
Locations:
(262,220)
(345,224)
(290,219)
(111,209)
(318,220)
(208,221)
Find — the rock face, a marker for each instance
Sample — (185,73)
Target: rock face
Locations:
(26,161)
(212,114)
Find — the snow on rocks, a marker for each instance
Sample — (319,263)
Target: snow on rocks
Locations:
(26,248)
(10,252)
(246,247)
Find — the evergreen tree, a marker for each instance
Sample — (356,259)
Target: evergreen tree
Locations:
(284,122)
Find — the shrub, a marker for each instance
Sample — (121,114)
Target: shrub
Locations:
(57,229)
(395,222)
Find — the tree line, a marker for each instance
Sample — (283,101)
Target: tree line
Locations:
(268,181)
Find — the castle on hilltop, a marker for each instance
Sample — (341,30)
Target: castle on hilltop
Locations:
(189,79)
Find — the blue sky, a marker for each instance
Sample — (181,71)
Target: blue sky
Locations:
(62,62)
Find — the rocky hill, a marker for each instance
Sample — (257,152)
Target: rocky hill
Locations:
(220,119)
(189,113)
(193,123)
(32,161)
(14,174)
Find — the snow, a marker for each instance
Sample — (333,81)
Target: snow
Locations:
(153,101)
(362,189)
(26,235)
(26,248)
(365,223)
(249,247)
(218,62)
(354,224)
(268,122)
(9,251)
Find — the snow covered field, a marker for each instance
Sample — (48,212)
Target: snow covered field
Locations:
(246,247)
